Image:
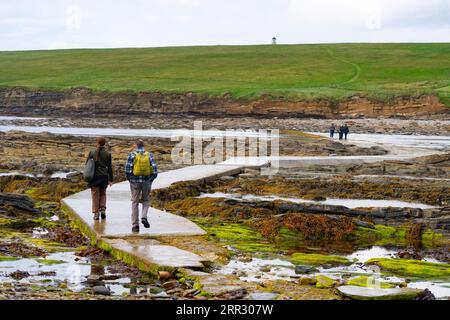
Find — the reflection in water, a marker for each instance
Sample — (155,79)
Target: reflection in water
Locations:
(258,269)
(99,226)
(97,269)
(349,203)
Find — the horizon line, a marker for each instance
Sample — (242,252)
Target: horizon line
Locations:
(226,45)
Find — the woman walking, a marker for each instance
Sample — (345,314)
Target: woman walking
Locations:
(332,130)
(103,177)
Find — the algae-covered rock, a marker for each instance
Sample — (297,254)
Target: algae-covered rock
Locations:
(363,293)
(412,268)
(318,259)
(307,281)
(365,281)
(17,204)
(324,282)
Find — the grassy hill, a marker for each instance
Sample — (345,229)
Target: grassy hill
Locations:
(293,71)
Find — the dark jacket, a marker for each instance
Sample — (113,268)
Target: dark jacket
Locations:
(346,129)
(103,168)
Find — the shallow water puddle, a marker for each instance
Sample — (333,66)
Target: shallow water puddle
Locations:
(57,268)
(13,118)
(62,266)
(349,203)
(401,140)
(258,269)
(128,132)
(55,175)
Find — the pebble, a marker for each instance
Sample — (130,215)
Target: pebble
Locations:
(101,290)
(302,269)
(171,284)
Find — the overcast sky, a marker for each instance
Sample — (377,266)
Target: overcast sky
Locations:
(50,24)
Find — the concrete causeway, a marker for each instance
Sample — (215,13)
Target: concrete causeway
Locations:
(142,249)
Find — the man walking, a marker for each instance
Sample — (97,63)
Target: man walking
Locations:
(346,131)
(341,132)
(140,171)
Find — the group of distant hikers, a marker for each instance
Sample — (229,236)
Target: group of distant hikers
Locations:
(343,131)
(140,171)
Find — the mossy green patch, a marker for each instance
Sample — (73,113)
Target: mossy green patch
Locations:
(412,268)
(365,281)
(50,261)
(240,237)
(381,235)
(318,259)
(431,238)
(8,258)
(20,223)
(50,246)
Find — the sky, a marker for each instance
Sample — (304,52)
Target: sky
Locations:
(58,24)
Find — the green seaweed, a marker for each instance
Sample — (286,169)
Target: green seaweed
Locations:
(50,261)
(8,258)
(381,235)
(241,237)
(412,268)
(364,281)
(318,259)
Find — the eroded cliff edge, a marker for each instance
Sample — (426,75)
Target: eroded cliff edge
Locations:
(85,102)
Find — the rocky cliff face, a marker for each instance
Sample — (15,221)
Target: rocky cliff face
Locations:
(85,102)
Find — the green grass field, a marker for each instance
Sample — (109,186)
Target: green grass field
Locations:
(292,71)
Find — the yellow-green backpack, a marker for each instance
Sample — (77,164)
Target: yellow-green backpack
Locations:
(141,165)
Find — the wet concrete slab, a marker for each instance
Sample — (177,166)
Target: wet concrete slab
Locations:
(159,254)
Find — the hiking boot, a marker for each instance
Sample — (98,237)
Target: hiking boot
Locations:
(96,216)
(103,215)
(145,222)
(135,229)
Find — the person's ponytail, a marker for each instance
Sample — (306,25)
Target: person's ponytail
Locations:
(100,143)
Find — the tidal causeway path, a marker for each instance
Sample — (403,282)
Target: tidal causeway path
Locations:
(147,253)
(143,250)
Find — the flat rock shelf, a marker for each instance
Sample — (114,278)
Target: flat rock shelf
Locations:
(362,293)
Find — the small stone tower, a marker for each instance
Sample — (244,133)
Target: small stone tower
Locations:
(274,40)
